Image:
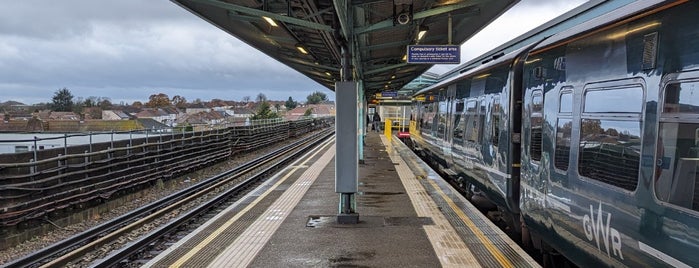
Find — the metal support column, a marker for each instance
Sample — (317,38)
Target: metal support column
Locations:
(362,122)
(346,164)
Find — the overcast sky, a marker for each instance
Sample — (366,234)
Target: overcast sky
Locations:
(127,50)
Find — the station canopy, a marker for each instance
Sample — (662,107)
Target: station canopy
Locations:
(307,35)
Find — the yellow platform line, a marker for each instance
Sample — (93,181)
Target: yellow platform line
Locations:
(244,249)
(203,244)
(448,246)
(485,240)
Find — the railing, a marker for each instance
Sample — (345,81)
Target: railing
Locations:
(34,184)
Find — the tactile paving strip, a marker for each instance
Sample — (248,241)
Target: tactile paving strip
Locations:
(450,249)
(487,245)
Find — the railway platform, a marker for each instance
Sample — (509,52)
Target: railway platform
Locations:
(408,217)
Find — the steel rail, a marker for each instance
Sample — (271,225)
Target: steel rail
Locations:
(78,243)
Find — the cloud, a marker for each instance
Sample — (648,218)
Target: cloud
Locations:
(128,50)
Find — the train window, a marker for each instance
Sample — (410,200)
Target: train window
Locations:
(458,130)
(442,123)
(472,125)
(610,151)
(618,100)
(537,121)
(481,119)
(682,98)
(562,153)
(566,103)
(677,169)
(495,121)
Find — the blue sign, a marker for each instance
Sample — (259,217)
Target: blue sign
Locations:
(389,94)
(434,54)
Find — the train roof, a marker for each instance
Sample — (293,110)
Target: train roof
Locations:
(614,16)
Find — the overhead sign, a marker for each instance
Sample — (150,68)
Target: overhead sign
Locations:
(389,94)
(386,94)
(434,54)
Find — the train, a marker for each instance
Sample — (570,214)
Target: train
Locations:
(583,145)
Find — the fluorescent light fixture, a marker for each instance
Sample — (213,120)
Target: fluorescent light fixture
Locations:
(422,31)
(328,74)
(301,49)
(270,21)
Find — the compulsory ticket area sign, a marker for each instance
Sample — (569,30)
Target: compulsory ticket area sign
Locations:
(434,54)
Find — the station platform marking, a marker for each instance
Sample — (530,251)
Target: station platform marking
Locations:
(244,249)
(448,246)
(273,214)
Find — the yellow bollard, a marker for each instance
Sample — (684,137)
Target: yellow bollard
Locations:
(387,128)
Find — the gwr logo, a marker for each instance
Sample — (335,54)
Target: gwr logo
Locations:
(596,229)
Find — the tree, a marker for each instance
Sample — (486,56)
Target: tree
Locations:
(137,104)
(260,98)
(62,100)
(179,101)
(316,97)
(105,104)
(290,104)
(264,112)
(246,99)
(159,100)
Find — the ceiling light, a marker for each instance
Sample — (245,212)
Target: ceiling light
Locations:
(393,76)
(422,31)
(270,21)
(301,49)
(405,57)
(328,74)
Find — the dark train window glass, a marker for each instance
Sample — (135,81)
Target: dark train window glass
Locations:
(566,103)
(481,119)
(537,120)
(426,118)
(677,159)
(458,130)
(618,100)
(678,164)
(610,151)
(562,153)
(495,121)
(682,98)
(472,125)
(442,121)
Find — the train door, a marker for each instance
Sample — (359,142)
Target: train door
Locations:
(443,139)
(533,180)
(677,160)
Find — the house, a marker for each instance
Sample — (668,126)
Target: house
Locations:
(114,115)
(196,108)
(167,116)
(317,110)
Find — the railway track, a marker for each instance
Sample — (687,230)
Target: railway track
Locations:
(130,239)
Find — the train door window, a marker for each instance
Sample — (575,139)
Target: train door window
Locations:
(481,118)
(471,121)
(564,129)
(610,135)
(442,121)
(537,121)
(426,118)
(495,120)
(458,126)
(677,168)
